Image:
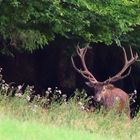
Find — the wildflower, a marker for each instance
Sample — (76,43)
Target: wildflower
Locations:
(3,81)
(31,88)
(64,95)
(47,92)
(92,97)
(49,89)
(82,107)
(134,101)
(18,95)
(135,91)
(3,87)
(58,91)
(19,87)
(28,98)
(80,103)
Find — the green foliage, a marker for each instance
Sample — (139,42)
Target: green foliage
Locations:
(132,38)
(32,24)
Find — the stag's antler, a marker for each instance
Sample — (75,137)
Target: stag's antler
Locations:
(127,64)
(88,75)
(85,72)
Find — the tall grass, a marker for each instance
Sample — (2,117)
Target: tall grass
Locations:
(69,117)
(72,118)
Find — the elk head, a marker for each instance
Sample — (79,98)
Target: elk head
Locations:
(105,92)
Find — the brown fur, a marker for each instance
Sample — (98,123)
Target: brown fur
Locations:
(111,97)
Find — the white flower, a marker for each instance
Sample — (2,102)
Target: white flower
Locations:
(18,94)
(19,87)
(135,91)
(3,87)
(64,95)
(28,98)
(82,107)
(59,91)
(80,103)
(49,89)
(6,87)
(47,92)
(92,97)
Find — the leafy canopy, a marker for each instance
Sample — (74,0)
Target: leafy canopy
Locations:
(31,24)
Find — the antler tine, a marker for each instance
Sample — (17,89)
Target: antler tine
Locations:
(124,76)
(84,52)
(81,52)
(132,55)
(127,64)
(116,78)
(136,55)
(77,68)
(85,72)
(125,56)
(78,50)
(74,64)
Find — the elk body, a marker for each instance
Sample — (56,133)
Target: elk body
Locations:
(109,96)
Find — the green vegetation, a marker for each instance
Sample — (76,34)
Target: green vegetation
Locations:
(21,119)
(30,25)
(13,130)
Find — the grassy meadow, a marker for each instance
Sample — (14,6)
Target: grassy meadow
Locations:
(23,120)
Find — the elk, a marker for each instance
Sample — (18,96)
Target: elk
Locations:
(106,93)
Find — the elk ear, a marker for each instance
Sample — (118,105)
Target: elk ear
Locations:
(89,84)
